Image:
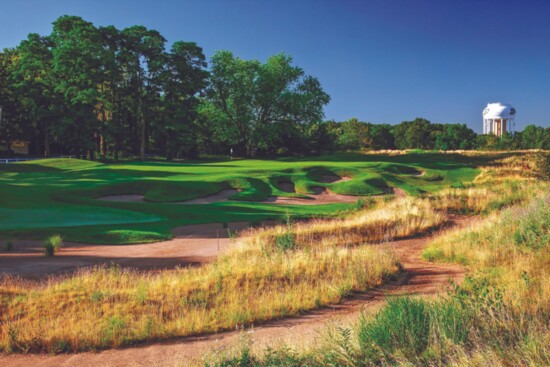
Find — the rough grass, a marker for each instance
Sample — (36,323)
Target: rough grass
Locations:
(270,273)
(399,218)
(109,307)
(499,316)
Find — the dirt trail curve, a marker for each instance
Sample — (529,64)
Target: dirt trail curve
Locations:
(420,277)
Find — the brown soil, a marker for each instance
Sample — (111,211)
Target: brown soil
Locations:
(419,278)
(400,193)
(191,245)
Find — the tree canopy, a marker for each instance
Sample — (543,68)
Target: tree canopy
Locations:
(103,92)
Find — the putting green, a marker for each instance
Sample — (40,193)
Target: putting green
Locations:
(62,196)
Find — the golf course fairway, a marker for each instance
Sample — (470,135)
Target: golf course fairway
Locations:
(79,199)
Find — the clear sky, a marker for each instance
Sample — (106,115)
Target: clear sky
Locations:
(380,61)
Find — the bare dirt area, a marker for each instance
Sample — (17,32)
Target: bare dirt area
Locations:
(400,193)
(419,278)
(191,245)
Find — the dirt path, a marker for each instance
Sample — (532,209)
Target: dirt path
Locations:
(420,277)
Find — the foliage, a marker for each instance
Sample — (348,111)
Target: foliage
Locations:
(101,92)
(255,106)
(52,245)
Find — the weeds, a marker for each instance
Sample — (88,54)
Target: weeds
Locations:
(52,245)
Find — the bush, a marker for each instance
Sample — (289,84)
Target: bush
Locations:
(365,203)
(404,325)
(52,245)
(286,241)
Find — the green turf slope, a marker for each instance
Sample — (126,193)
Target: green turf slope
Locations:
(42,197)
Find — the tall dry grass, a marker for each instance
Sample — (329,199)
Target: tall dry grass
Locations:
(108,307)
(399,218)
(507,181)
(257,280)
(509,249)
(499,316)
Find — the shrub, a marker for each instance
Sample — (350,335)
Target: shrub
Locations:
(365,203)
(404,325)
(52,245)
(286,241)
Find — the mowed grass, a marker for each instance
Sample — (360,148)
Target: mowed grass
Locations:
(59,196)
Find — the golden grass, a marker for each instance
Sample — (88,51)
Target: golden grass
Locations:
(511,249)
(255,281)
(399,218)
(108,307)
(499,316)
(270,273)
(508,181)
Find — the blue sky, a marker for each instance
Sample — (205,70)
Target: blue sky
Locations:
(381,61)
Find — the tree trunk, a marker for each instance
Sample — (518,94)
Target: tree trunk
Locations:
(102,148)
(142,144)
(46,143)
(102,151)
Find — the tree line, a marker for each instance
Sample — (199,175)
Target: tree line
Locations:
(102,92)
(422,134)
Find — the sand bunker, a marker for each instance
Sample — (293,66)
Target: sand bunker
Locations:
(131,198)
(286,186)
(334,178)
(322,196)
(220,196)
(191,245)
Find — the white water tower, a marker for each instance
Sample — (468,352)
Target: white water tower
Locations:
(498,118)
